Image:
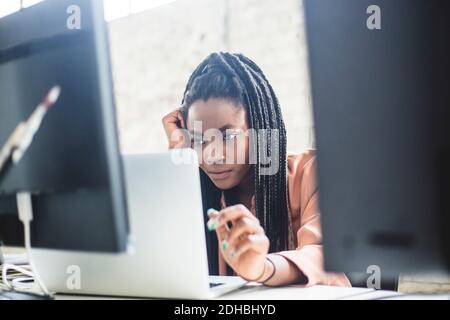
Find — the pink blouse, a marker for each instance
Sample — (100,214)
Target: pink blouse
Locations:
(305,219)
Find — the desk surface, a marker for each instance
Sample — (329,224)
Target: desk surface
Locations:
(258,292)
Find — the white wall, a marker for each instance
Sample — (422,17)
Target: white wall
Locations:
(155,51)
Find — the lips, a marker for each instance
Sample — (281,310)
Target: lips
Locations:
(219,174)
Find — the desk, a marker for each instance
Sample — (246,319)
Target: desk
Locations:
(259,292)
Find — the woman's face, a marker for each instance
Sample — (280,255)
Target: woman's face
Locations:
(218,129)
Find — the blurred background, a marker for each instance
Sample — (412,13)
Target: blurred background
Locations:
(156,44)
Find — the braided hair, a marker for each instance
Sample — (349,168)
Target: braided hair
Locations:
(238,79)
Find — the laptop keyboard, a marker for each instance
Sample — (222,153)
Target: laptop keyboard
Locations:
(212,285)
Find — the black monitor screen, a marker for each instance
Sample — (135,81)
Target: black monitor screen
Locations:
(73,167)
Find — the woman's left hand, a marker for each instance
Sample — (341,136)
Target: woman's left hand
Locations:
(244,245)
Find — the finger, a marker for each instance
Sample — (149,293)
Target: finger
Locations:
(171,117)
(242,227)
(174,117)
(242,247)
(222,231)
(211,212)
(222,235)
(256,243)
(213,222)
(229,247)
(233,213)
(181,118)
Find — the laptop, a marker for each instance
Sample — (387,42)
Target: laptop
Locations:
(167,255)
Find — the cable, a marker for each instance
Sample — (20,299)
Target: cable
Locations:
(10,154)
(20,269)
(26,216)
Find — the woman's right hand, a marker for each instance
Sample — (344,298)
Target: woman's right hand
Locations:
(172,123)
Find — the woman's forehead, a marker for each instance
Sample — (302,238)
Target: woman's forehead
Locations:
(216,113)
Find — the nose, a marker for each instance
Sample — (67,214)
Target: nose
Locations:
(215,157)
(213,154)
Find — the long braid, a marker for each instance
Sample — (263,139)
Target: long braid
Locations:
(283,137)
(234,76)
(276,194)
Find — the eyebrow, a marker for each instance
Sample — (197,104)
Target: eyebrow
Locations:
(223,128)
(227,126)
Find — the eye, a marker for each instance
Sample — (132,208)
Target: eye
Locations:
(230,136)
(197,141)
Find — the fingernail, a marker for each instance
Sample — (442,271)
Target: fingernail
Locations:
(212,224)
(224,245)
(210,211)
(232,254)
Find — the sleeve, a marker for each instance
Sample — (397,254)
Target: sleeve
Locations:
(308,255)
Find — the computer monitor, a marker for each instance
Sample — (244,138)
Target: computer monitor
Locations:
(379,75)
(73,168)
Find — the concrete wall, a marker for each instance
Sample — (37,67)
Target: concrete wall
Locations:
(154,52)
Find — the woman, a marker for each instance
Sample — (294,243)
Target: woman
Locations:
(264,221)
